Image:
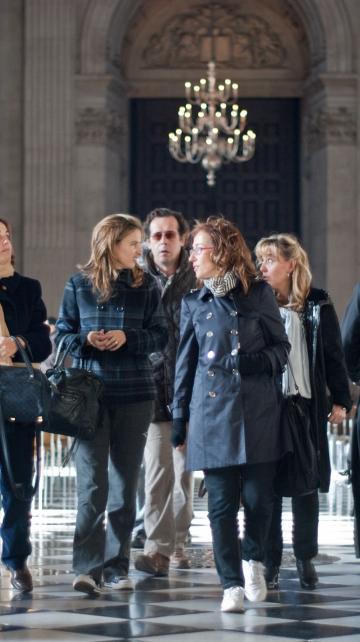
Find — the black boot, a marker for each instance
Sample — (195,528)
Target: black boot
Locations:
(272,577)
(307,574)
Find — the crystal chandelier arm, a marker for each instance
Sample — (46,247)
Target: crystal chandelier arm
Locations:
(191,152)
(248,148)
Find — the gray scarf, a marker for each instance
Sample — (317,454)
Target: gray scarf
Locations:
(221,285)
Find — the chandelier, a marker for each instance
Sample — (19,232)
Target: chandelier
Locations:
(212,133)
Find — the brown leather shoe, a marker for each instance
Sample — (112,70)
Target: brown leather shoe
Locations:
(21,579)
(156,564)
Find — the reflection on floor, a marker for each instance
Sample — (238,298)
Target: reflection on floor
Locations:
(185,606)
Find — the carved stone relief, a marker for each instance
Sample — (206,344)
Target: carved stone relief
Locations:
(99,127)
(242,40)
(326,127)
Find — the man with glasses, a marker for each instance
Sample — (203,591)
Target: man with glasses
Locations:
(168,487)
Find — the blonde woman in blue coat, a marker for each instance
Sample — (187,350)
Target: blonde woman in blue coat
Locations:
(232,346)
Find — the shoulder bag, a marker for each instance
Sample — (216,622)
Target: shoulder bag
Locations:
(25,403)
(25,392)
(297,472)
(75,397)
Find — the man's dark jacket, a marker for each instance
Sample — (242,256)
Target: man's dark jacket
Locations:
(172,291)
(350,331)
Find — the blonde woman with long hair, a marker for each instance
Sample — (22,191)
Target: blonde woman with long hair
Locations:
(317,363)
(114,308)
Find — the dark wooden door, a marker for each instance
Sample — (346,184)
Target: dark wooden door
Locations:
(261,196)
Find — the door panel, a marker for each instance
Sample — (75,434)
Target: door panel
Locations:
(261,196)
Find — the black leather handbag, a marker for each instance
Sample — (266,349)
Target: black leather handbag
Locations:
(25,392)
(298,471)
(25,398)
(75,397)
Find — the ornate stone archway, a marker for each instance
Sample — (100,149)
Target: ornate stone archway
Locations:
(76,116)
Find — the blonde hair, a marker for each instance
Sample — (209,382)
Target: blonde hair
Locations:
(289,248)
(101,267)
(230,251)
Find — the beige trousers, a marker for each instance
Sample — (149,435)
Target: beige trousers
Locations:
(168,493)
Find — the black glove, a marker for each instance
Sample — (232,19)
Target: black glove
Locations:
(251,363)
(178,432)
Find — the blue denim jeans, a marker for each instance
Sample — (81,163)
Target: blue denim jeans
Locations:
(107,470)
(15,528)
(254,485)
(305,510)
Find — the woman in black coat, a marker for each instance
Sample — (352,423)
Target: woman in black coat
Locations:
(232,346)
(317,363)
(22,314)
(350,331)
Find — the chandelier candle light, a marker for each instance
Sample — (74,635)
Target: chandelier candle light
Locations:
(214,135)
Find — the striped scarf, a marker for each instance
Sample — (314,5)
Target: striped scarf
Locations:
(221,285)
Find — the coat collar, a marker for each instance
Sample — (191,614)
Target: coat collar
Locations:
(317,296)
(125,276)
(154,270)
(10,283)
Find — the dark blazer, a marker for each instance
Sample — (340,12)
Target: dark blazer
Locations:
(127,372)
(327,372)
(172,290)
(233,419)
(25,314)
(350,331)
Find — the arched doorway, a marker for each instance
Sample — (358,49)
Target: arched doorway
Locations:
(309,53)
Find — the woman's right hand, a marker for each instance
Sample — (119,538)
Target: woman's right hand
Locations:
(8,347)
(97,339)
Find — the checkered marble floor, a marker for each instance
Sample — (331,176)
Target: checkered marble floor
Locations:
(185,606)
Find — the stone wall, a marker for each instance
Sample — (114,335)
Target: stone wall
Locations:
(69,67)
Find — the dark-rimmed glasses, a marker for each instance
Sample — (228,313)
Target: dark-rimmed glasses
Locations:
(169,235)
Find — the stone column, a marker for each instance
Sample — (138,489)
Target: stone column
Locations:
(101,154)
(11,110)
(48,155)
(329,171)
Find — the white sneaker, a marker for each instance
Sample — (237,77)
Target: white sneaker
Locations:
(86,584)
(233,600)
(120,583)
(255,584)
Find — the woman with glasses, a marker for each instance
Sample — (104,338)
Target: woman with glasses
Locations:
(114,308)
(232,346)
(317,364)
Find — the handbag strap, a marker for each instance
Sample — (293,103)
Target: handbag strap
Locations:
(292,374)
(19,489)
(24,356)
(62,352)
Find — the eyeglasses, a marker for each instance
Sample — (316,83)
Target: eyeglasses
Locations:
(198,249)
(169,235)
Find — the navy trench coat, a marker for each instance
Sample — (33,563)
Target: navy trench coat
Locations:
(233,419)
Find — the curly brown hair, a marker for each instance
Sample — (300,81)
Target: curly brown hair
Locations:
(230,251)
(100,268)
